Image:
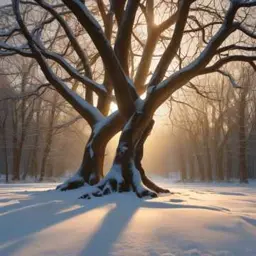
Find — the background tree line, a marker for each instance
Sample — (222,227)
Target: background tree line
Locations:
(214,130)
(40,135)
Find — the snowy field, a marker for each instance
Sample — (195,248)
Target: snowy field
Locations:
(197,219)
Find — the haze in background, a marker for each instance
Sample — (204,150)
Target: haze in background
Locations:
(157,155)
(158,149)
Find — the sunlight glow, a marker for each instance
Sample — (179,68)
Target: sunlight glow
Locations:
(113,106)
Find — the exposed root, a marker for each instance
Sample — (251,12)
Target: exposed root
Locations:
(106,187)
(145,193)
(115,182)
(136,180)
(151,185)
(72,183)
(113,186)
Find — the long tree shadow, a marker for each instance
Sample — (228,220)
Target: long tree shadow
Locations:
(112,227)
(37,213)
(116,221)
(43,210)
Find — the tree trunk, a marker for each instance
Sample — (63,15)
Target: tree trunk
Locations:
(6,164)
(28,166)
(182,164)
(5,153)
(18,141)
(228,162)
(45,157)
(209,164)
(48,144)
(200,167)
(139,152)
(49,133)
(219,167)
(16,160)
(124,175)
(91,169)
(208,159)
(34,164)
(191,166)
(242,138)
(16,163)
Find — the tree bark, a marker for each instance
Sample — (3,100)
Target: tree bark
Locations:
(200,165)
(228,162)
(207,138)
(49,137)
(242,138)
(16,161)
(209,164)
(219,163)
(124,174)
(91,169)
(139,152)
(5,152)
(182,164)
(191,166)
(34,164)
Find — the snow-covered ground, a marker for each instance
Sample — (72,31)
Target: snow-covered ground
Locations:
(197,219)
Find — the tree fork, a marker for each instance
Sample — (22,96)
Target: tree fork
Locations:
(124,174)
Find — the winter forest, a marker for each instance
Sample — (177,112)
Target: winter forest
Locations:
(141,111)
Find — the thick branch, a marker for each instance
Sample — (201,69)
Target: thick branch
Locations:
(80,52)
(247,32)
(216,66)
(123,40)
(97,88)
(118,8)
(124,91)
(148,51)
(157,96)
(90,113)
(174,45)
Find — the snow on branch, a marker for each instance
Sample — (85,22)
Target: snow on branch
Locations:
(246,31)
(80,52)
(245,3)
(235,58)
(88,111)
(230,77)
(124,89)
(199,65)
(7,50)
(233,47)
(97,88)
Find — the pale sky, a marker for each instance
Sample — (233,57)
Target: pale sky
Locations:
(2,2)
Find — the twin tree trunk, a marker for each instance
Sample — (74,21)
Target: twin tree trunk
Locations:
(127,172)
